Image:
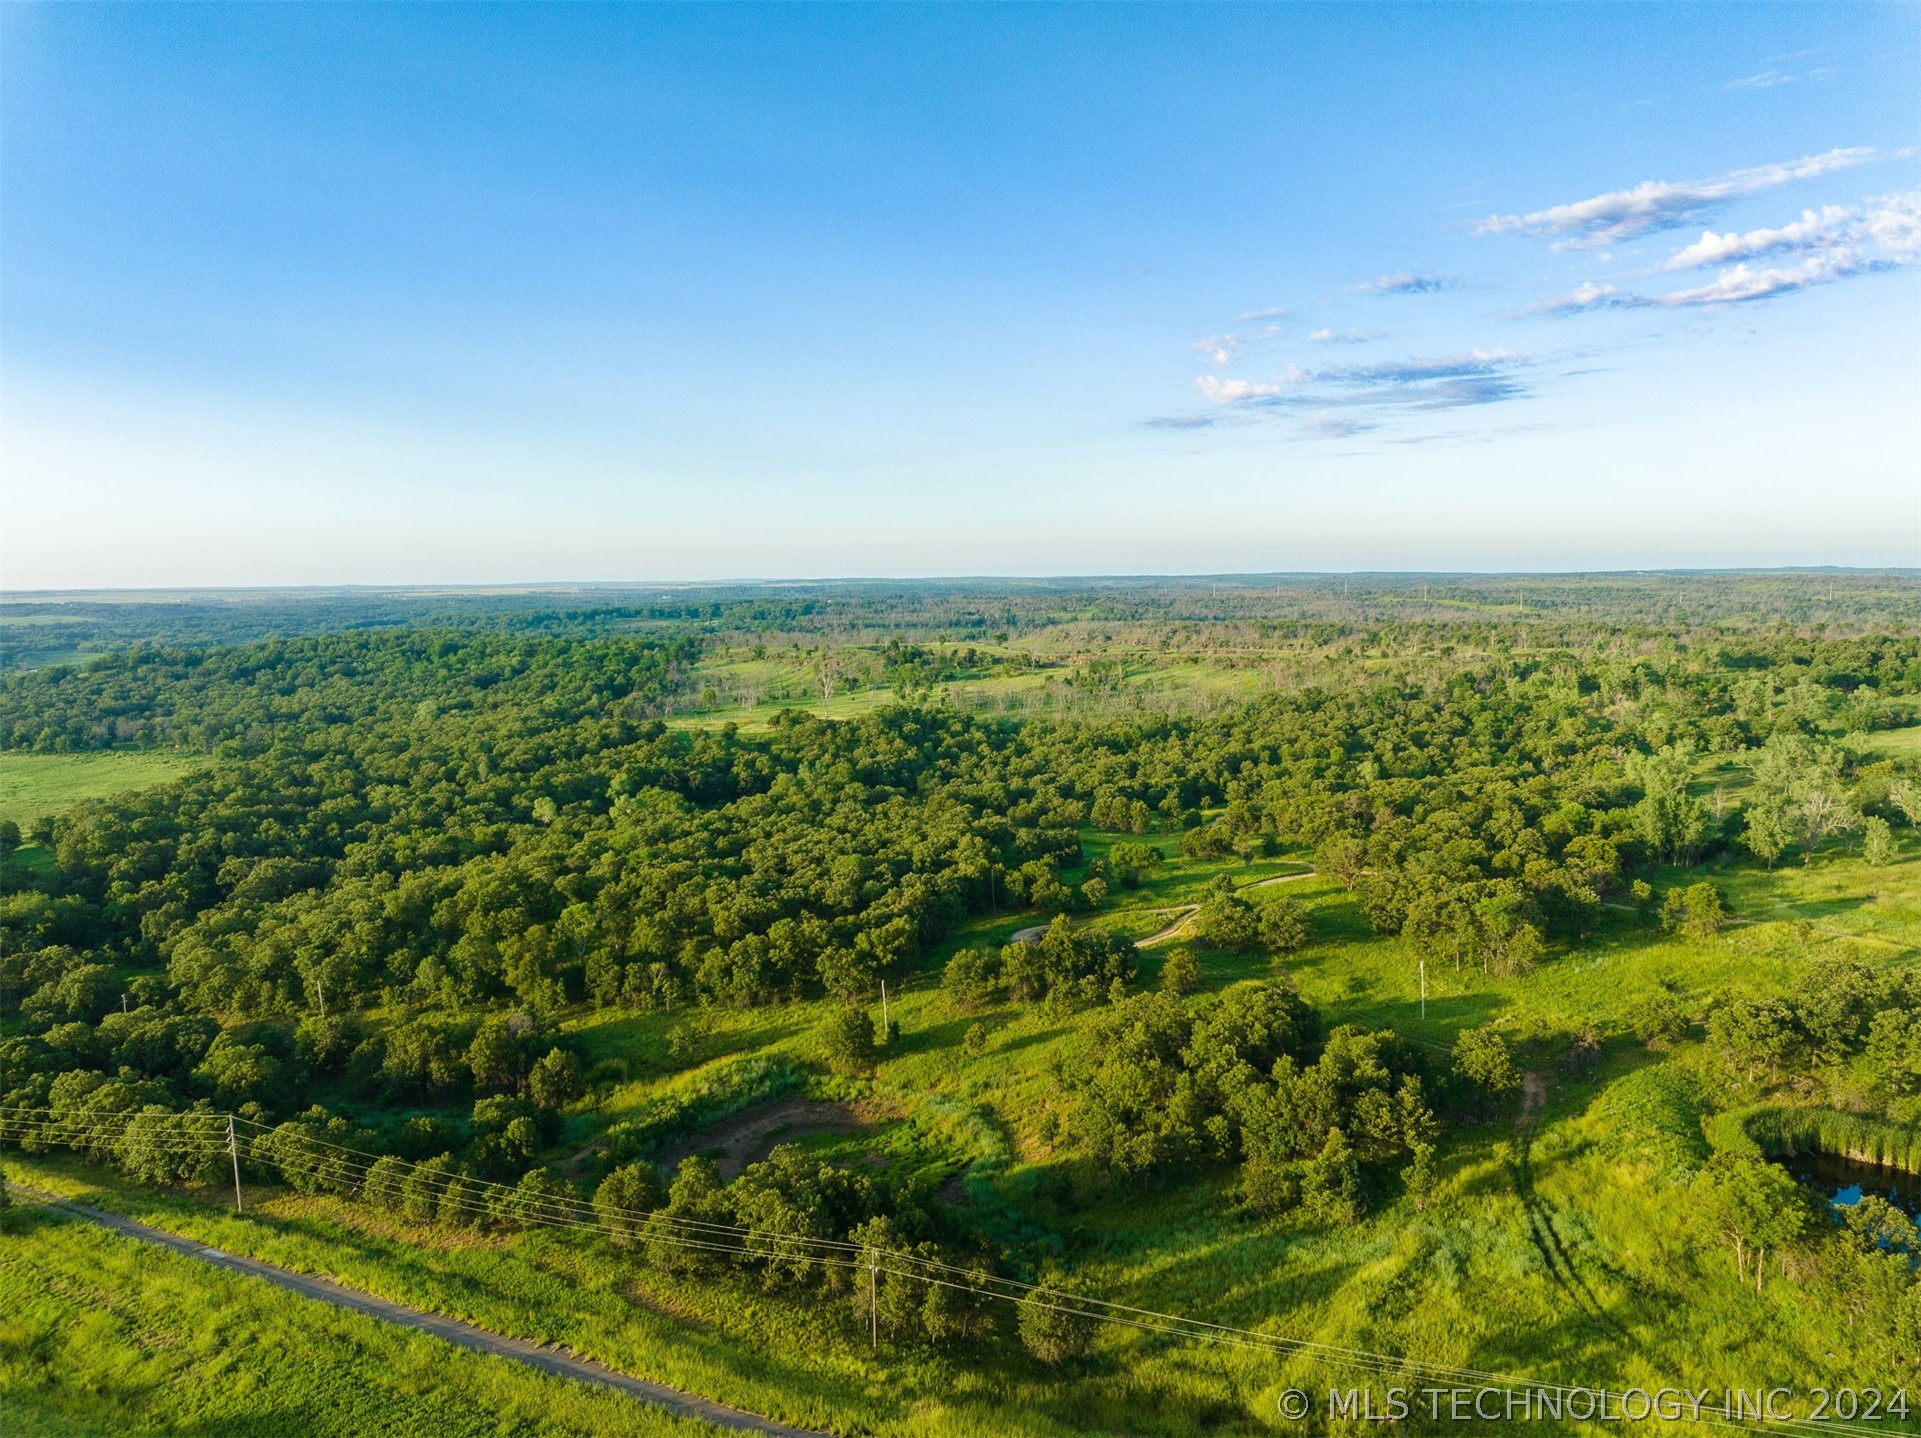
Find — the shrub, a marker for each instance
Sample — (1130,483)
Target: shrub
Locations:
(554,1081)
(1130,861)
(1331,1182)
(1181,974)
(1698,911)
(972,978)
(847,1039)
(423,1187)
(1052,1331)
(1877,843)
(325,1044)
(1483,1062)
(626,1196)
(1283,926)
(1227,922)
(1660,1020)
(385,1182)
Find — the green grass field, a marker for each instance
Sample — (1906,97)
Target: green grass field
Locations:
(100,1334)
(35,785)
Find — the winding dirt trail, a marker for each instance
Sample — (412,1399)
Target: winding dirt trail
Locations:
(561,1362)
(1182,914)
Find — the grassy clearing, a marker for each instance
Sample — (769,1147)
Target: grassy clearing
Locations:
(101,1334)
(35,785)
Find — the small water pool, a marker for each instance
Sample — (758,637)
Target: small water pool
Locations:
(1846,1181)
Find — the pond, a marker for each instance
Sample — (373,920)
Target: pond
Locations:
(1846,1181)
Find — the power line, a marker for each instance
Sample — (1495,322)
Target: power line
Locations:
(657,1227)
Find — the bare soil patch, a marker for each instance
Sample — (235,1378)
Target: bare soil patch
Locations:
(750,1136)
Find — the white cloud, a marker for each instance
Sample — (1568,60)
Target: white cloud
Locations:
(1835,242)
(1895,225)
(1816,229)
(1586,296)
(1742,283)
(1342,337)
(1407,284)
(1225,349)
(1474,377)
(1238,391)
(1655,205)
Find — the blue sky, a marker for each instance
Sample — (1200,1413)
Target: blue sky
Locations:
(472,294)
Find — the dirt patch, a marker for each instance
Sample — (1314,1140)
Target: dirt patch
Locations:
(1533,1092)
(750,1136)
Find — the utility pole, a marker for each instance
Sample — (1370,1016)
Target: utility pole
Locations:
(320,990)
(873,1300)
(233,1151)
(885,1027)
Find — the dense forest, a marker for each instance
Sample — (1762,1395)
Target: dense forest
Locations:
(486,920)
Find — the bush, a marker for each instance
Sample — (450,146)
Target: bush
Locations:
(972,978)
(1877,843)
(607,1073)
(325,1044)
(554,1081)
(847,1039)
(1483,1062)
(1227,922)
(1660,1020)
(1331,1182)
(1181,974)
(541,1197)
(1131,861)
(1283,926)
(1054,1333)
(423,1187)
(1698,911)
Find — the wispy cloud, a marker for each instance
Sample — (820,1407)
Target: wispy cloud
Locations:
(1655,205)
(1836,242)
(1407,284)
(1342,337)
(1586,296)
(1224,349)
(1335,426)
(1181,422)
(1768,79)
(1476,377)
(1741,283)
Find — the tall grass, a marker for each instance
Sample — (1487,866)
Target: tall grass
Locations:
(1779,1130)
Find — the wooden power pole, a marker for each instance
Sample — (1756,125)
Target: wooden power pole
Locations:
(233,1152)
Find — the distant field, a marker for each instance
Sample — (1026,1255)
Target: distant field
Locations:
(32,785)
(1889,743)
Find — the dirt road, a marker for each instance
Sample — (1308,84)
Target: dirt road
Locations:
(561,1362)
